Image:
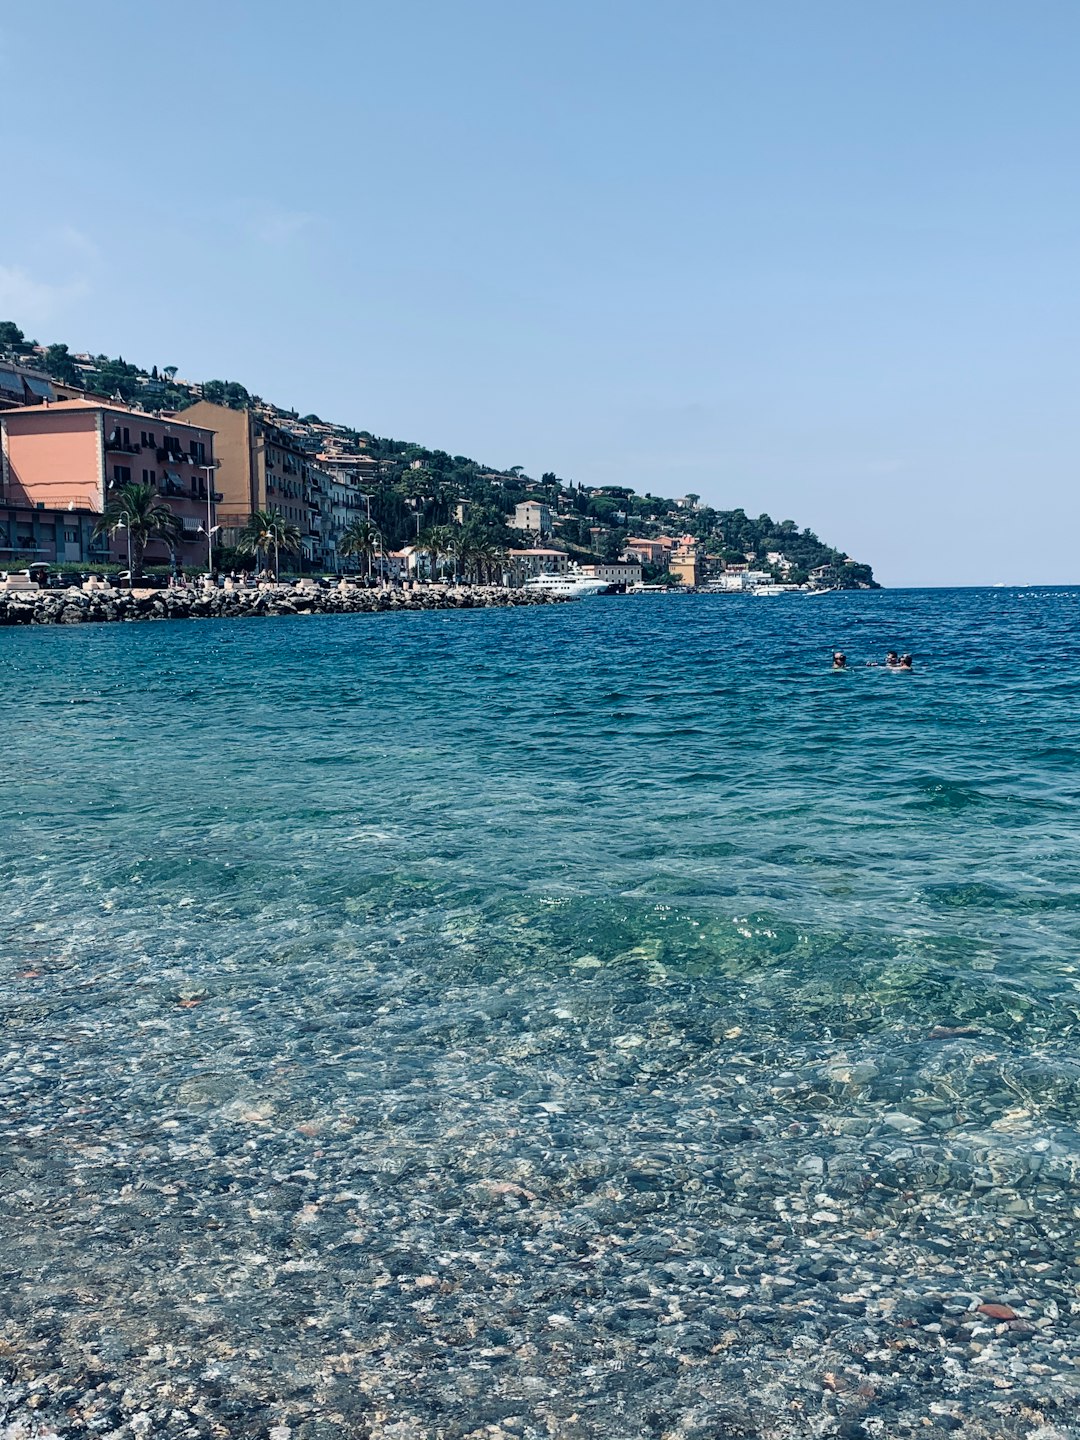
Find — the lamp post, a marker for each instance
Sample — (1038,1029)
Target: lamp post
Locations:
(123,525)
(210,526)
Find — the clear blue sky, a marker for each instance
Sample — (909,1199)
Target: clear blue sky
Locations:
(814,257)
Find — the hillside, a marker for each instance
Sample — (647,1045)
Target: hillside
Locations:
(411,486)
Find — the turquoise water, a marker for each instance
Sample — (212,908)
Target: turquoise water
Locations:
(378,988)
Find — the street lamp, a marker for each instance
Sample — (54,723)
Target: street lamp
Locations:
(209,533)
(210,526)
(123,525)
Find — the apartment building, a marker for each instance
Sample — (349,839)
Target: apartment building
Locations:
(60,462)
(650,551)
(262,467)
(615,573)
(522,564)
(532,516)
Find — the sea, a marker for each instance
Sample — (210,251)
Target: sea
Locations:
(589,1020)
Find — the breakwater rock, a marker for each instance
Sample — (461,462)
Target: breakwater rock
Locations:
(102,603)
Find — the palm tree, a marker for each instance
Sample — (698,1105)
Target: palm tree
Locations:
(268,530)
(491,559)
(140,511)
(360,538)
(439,542)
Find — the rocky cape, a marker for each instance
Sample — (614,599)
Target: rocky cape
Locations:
(102,603)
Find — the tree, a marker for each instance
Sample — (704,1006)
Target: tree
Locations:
(59,364)
(360,539)
(11,337)
(613,545)
(226,392)
(440,542)
(140,511)
(266,531)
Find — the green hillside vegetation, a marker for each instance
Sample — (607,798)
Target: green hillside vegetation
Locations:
(420,490)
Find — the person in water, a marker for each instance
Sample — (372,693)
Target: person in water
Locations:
(892,661)
(904,663)
(839,660)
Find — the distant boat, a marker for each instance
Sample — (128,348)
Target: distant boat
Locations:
(832,589)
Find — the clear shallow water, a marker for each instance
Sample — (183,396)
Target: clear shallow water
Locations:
(446,1020)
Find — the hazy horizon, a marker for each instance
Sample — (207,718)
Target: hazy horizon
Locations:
(812,261)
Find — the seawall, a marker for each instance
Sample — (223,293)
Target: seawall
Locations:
(104,604)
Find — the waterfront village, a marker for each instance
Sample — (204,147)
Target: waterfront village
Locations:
(99,456)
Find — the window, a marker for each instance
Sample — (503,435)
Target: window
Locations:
(149,477)
(70,536)
(121,474)
(198,451)
(148,439)
(194,489)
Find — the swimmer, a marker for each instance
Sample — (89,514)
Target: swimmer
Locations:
(892,661)
(905,662)
(839,660)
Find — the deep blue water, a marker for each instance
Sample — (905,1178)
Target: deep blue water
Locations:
(542,898)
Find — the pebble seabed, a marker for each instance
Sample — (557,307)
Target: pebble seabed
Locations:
(574,1201)
(315,1124)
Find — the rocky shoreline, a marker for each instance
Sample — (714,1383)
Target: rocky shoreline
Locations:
(102,603)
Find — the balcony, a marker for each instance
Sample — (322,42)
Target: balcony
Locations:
(122,447)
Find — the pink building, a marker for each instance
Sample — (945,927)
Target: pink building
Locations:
(650,552)
(61,462)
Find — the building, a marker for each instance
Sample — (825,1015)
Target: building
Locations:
(532,516)
(522,564)
(687,561)
(650,552)
(262,467)
(61,461)
(623,573)
(20,386)
(686,568)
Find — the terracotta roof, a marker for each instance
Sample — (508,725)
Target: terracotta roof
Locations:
(117,408)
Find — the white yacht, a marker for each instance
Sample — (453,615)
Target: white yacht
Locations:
(571,586)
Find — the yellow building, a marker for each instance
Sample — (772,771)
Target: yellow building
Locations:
(686,568)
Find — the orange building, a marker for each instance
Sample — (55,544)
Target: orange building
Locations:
(261,468)
(61,461)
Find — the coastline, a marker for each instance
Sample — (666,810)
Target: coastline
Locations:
(103,604)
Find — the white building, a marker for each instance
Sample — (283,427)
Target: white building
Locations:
(532,516)
(523,564)
(620,573)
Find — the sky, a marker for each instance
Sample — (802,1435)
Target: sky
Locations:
(811,257)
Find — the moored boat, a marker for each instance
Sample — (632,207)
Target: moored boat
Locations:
(571,586)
